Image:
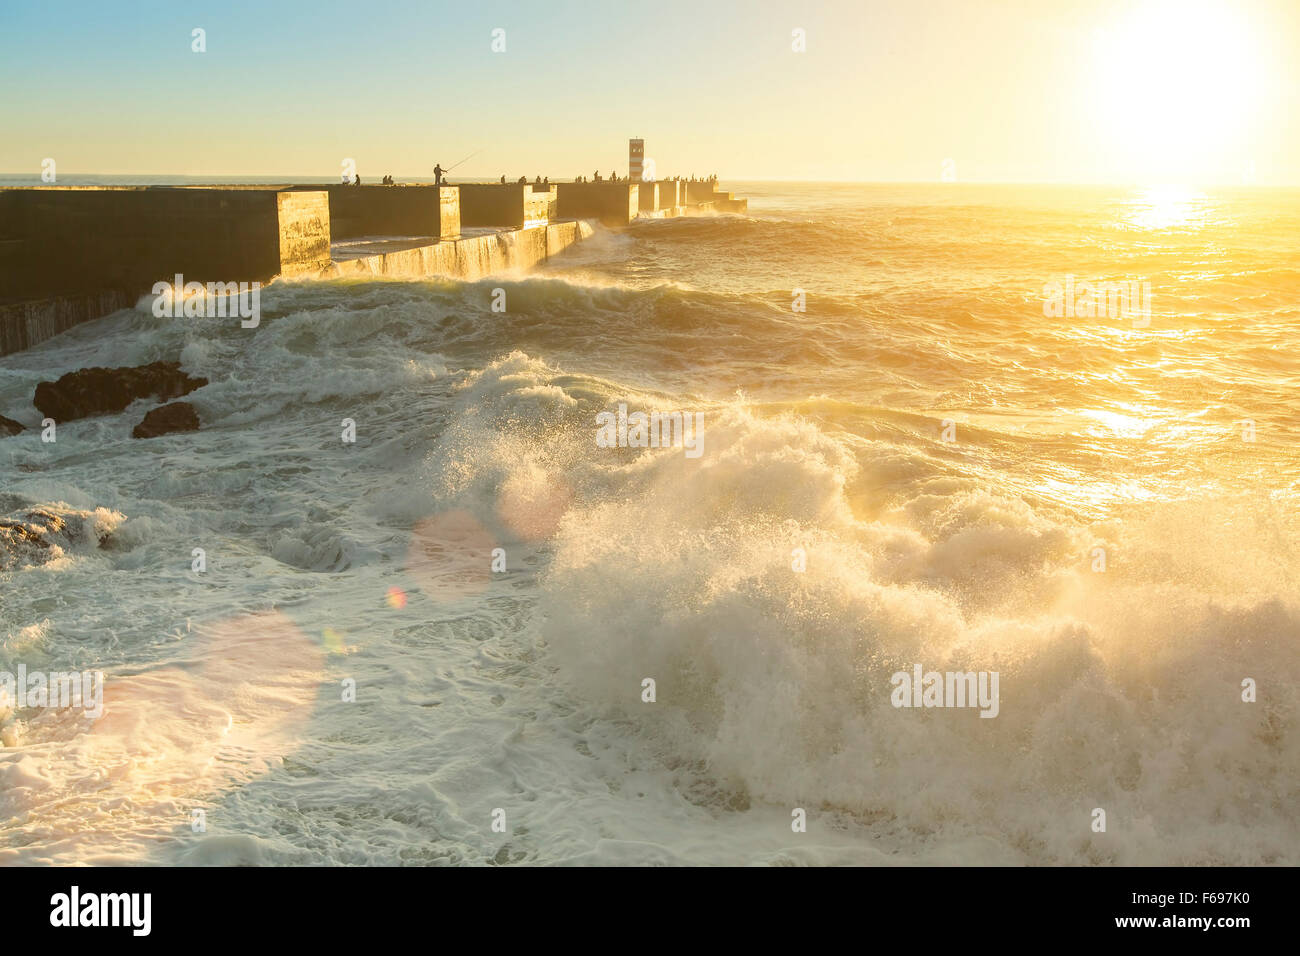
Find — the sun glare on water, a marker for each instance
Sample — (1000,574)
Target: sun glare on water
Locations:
(1167,207)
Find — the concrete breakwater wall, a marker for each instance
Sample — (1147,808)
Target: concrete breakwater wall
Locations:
(506,204)
(406,210)
(727,202)
(70,254)
(28,323)
(647,197)
(469,257)
(614,204)
(72,240)
(706,194)
(698,192)
(73,254)
(618,203)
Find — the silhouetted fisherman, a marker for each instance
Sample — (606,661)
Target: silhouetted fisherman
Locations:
(438,172)
(358,180)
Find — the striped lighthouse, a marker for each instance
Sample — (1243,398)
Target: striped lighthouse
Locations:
(635,157)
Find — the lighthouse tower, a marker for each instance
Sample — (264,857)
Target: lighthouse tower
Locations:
(635,157)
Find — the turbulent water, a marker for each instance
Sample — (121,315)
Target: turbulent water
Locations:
(1100,509)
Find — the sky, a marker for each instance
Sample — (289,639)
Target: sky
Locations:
(1076,91)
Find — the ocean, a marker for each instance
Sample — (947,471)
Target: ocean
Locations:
(922,444)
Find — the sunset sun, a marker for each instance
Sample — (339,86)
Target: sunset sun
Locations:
(1176,83)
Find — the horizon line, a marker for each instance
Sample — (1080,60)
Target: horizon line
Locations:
(299,177)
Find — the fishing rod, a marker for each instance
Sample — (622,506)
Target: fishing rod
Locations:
(465,160)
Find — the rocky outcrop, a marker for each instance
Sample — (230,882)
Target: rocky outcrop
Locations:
(176,417)
(35,536)
(104,391)
(9,427)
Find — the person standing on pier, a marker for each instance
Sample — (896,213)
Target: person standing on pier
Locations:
(438,172)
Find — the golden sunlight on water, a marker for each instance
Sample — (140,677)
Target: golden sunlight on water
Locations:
(170,740)
(1168,207)
(1130,426)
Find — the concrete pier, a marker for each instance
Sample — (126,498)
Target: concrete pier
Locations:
(406,210)
(705,196)
(67,239)
(661,199)
(697,193)
(32,321)
(70,254)
(647,197)
(670,196)
(614,204)
(507,204)
(470,257)
(727,202)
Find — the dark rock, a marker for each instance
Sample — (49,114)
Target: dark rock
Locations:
(9,427)
(103,391)
(176,417)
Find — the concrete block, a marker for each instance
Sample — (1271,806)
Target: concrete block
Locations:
(406,210)
(470,257)
(727,202)
(32,321)
(71,254)
(304,219)
(648,197)
(513,205)
(541,204)
(697,192)
(78,240)
(614,204)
